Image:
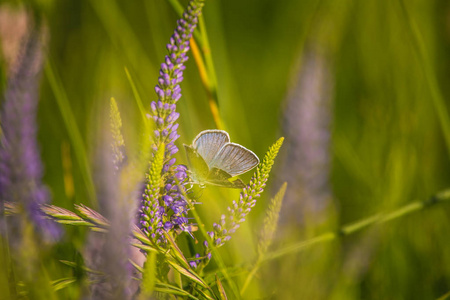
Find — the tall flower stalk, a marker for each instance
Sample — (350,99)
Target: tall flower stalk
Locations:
(114,204)
(163,205)
(307,119)
(20,165)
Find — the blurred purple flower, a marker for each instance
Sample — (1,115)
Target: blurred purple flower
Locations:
(20,164)
(306,126)
(173,207)
(109,252)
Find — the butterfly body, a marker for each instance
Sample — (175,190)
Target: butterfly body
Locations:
(215,160)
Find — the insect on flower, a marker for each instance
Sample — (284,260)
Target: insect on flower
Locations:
(214,160)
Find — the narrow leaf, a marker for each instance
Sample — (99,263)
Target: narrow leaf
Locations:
(178,255)
(60,213)
(11,208)
(222,293)
(136,266)
(59,284)
(189,274)
(204,293)
(75,265)
(92,215)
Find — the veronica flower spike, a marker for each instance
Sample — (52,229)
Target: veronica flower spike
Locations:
(21,169)
(166,208)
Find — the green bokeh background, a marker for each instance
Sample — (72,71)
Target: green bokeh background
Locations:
(390,64)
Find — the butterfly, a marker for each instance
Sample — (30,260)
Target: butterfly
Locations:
(215,160)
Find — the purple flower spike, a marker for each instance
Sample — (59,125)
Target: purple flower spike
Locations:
(20,164)
(172,206)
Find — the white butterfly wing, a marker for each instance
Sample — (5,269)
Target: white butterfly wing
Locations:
(234,159)
(209,142)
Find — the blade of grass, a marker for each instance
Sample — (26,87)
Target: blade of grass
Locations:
(189,274)
(62,283)
(204,294)
(222,293)
(205,66)
(213,99)
(177,254)
(445,296)
(206,80)
(72,129)
(118,28)
(430,76)
(206,49)
(174,291)
(137,97)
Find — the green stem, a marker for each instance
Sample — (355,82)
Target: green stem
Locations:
(380,218)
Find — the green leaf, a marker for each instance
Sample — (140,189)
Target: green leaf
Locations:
(60,213)
(137,97)
(178,292)
(136,266)
(205,294)
(86,269)
(176,252)
(11,208)
(191,275)
(140,236)
(222,293)
(62,283)
(144,247)
(92,215)
(72,128)
(64,216)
